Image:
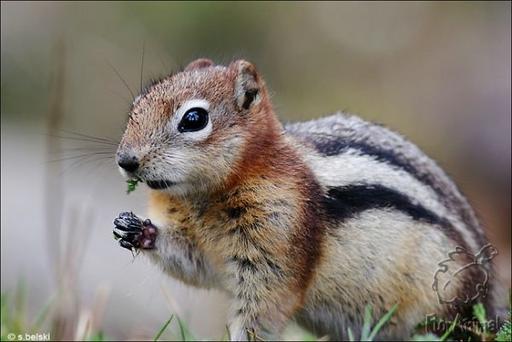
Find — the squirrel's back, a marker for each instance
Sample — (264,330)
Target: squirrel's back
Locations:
(351,156)
(393,216)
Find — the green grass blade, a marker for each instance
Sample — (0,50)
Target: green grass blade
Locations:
(384,319)
(43,314)
(185,333)
(162,329)
(450,329)
(365,333)
(4,302)
(505,332)
(97,337)
(182,330)
(5,318)
(350,335)
(480,314)
(229,334)
(19,306)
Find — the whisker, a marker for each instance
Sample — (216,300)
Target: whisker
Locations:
(76,153)
(164,66)
(76,163)
(142,64)
(89,136)
(79,156)
(96,165)
(90,149)
(84,140)
(122,79)
(83,154)
(122,96)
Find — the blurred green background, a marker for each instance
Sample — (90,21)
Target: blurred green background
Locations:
(437,72)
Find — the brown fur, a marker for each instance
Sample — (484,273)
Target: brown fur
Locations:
(246,216)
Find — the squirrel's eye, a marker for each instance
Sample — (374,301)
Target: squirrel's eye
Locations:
(194,119)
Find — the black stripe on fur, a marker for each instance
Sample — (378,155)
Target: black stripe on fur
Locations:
(329,147)
(345,202)
(342,203)
(332,147)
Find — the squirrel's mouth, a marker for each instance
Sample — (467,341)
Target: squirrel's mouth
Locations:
(160,184)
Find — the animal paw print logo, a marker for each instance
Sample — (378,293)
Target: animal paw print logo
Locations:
(460,266)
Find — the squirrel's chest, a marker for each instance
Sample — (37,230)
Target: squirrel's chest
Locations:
(231,224)
(189,217)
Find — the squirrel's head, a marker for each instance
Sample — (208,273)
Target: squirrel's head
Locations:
(187,132)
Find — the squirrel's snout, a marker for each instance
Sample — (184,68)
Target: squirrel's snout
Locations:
(128,162)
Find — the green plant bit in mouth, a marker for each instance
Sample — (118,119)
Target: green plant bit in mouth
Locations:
(132,184)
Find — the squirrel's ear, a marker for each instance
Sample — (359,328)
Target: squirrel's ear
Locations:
(199,64)
(247,84)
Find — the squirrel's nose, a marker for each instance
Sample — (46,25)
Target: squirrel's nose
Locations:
(128,162)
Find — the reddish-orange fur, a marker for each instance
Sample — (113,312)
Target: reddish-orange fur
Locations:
(246,215)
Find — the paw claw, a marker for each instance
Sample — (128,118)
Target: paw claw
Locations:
(116,235)
(133,233)
(126,244)
(128,221)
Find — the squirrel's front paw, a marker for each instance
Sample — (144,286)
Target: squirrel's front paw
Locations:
(132,232)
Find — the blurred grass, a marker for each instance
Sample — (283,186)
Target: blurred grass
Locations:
(505,333)
(14,317)
(162,329)
(15,320)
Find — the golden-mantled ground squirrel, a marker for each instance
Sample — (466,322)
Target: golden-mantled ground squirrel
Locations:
(309,221)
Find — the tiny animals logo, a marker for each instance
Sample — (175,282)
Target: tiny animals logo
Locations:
(450,272)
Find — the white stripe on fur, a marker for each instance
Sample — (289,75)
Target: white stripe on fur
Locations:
(352,167)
